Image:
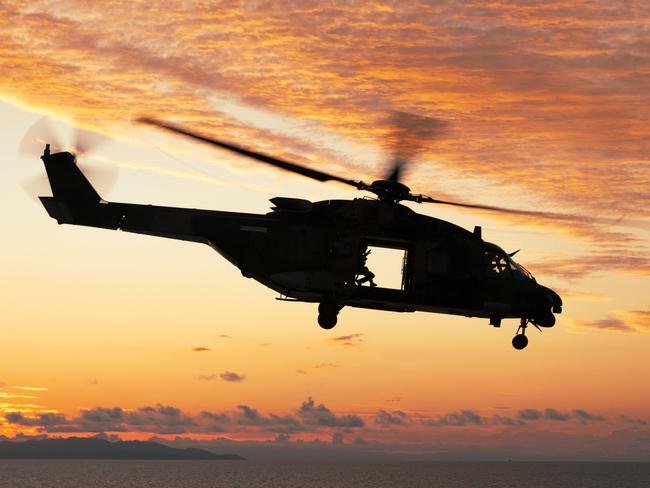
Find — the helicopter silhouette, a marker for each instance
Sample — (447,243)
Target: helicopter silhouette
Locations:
(316,251)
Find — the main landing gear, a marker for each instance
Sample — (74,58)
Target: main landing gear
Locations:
(328,314)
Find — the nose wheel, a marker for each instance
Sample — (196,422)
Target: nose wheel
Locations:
(520,341)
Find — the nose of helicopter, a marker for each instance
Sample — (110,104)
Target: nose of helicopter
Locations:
(556,301)
(548,303)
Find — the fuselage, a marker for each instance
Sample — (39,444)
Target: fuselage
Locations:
(315,252)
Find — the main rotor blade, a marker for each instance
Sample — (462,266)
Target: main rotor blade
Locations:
(396,170)
(411,134)
(264,158)
(536,213)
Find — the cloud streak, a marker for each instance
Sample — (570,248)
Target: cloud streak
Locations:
(632,321)
(565,124)
(348,340)
(232,377)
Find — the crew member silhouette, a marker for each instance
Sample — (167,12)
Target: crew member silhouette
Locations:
(365,274)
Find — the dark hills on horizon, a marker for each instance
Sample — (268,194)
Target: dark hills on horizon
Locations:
(94,448)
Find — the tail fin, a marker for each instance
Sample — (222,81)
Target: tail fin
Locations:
(67,181)
(74,199)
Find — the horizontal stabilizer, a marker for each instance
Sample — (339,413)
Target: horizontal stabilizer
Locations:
(57,209)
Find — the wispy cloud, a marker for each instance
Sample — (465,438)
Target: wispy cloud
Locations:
(527,112)
(632,321)
(389,419)
(313,414)
(232,377)
(348,340)
(325,366)
(201,349)
(207,377)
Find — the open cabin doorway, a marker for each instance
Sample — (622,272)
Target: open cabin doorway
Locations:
(387,264)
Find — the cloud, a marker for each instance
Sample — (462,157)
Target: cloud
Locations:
(610,323)
(388,419)
(633,321)
(468,418)
(30,388)
(4,394)
(325,366)
(633,421)
(348,340)
(250,416)
(552,414)
(564,124)
(201,349)
(218,417)
(640,319)
(529,414)
(232,377)
(207,377)
(312,414)
(457,419)
(169,420)
(504,420)
(315,425)
(285,424)
(606,260)
(584,416)
(43,420)
(225,336)
(337,438)
(160,419)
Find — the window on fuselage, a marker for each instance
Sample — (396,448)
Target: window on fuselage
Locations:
(496,263)
(519,271)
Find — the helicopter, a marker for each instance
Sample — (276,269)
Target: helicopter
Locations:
(316,251)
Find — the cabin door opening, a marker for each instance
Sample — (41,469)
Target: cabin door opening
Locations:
(388,265)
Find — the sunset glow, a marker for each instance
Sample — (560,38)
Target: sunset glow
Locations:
(545,107)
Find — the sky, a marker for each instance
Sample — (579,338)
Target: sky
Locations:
(543,106)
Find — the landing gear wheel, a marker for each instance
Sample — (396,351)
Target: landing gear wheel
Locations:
(519,342)
(328,308)
(327,314)
(327,320)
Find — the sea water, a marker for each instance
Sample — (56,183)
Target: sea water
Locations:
(247,474)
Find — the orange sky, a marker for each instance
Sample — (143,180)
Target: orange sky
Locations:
(545,108)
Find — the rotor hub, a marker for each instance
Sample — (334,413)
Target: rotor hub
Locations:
(390,191)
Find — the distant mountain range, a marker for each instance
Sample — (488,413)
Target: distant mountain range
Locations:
(93,448)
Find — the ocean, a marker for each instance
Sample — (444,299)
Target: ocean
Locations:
(245,474)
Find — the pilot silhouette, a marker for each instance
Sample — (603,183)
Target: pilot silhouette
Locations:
(365,274)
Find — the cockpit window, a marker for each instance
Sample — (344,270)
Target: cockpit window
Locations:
(496,262)
(519,270)
(499,264)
